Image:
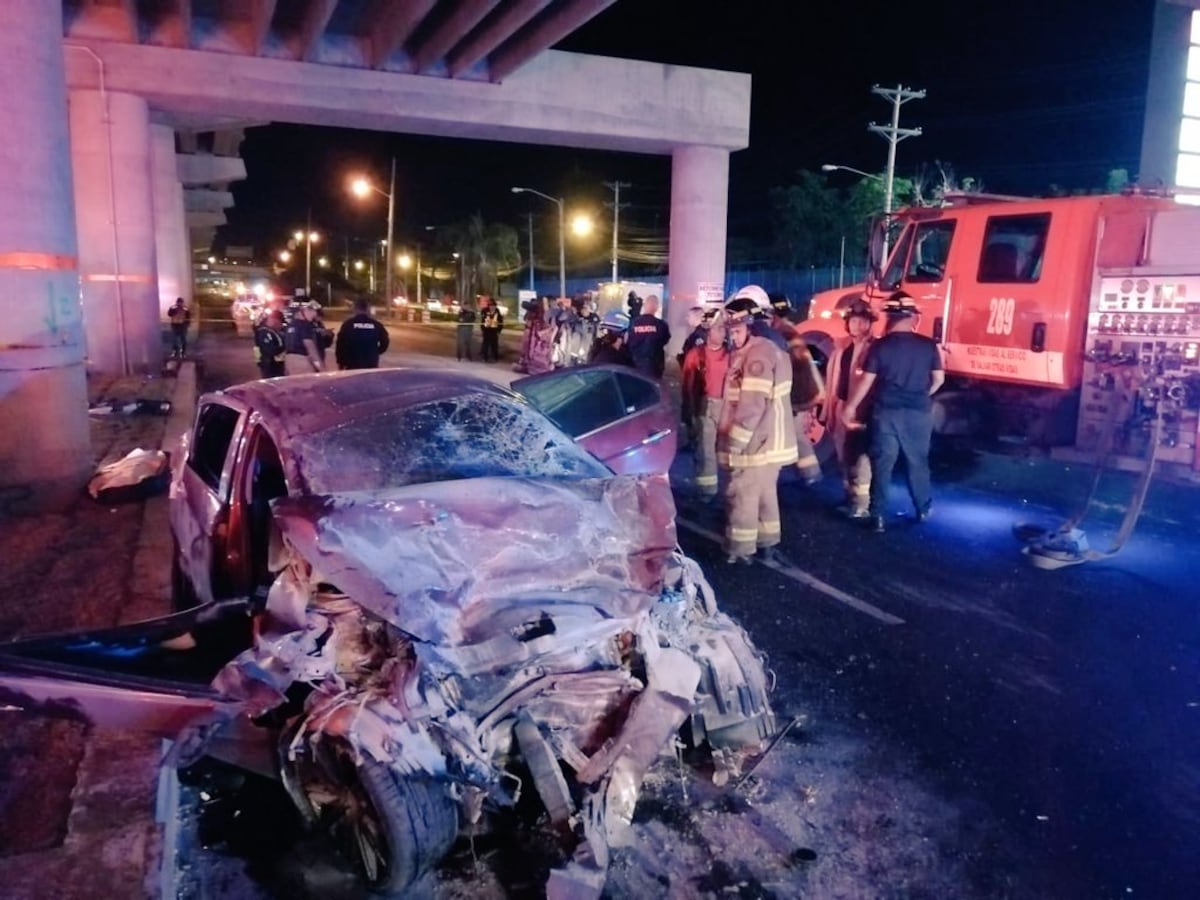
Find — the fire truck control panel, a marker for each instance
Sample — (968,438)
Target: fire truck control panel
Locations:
(1142,362)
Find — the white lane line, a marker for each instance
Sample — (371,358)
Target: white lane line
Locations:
(804,578)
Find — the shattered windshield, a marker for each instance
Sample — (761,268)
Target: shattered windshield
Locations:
(470,436)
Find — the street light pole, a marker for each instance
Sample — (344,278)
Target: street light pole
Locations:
(390,222)
(418,273)
(362,187)
(562,235)
(531,287)
(308,256)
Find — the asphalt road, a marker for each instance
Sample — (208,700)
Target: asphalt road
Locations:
(1054,717)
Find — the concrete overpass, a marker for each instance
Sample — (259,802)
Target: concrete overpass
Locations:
(95,95)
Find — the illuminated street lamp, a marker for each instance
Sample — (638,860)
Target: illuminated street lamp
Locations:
(562,247)
(829,167)
(361,187)
(582,225)
(309,238)
(285,256)
(322,261)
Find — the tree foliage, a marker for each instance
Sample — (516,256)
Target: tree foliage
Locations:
(812,217)
(487,252)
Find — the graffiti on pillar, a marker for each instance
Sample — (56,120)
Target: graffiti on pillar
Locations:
(63,318)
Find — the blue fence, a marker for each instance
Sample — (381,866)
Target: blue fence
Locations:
(798,284)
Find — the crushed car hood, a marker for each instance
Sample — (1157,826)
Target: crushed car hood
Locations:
(443,561)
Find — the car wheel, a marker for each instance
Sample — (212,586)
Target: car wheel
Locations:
(394,829)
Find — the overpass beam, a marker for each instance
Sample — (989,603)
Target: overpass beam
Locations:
(43,389)
(699,212)
(110,153)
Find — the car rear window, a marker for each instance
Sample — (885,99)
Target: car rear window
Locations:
(471,436)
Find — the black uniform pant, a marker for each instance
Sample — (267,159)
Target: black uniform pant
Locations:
(463,349)
(490,347)
(896,432)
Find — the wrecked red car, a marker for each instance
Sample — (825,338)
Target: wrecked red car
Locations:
(415,600)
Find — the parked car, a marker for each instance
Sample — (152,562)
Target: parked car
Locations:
(413,599)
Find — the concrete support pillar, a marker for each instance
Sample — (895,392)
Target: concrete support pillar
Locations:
(170,230)
(110,153)
(45,455)
(699,208)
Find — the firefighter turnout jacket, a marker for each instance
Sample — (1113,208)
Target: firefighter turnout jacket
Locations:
(756,422)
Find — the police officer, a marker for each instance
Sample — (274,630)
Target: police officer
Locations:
(755,438)
(908,370)
(269,346)
(361,339)
(300,336)
(465,324)
(609,345)
(648,339)
(491,320)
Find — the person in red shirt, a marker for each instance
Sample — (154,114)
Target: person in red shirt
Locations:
(704,367)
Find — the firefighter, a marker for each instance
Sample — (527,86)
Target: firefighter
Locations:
(269,346)
(808,388)
(845,372)
(908,369)
(704,368)
(755,438)
(361,339)
(754,300)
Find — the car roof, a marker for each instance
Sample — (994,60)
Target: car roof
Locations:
(301,404)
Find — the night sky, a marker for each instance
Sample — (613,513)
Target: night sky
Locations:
(1022,95)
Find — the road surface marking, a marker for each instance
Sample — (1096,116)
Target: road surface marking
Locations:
(804,578)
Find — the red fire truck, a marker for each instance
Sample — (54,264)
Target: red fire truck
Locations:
(1069,323)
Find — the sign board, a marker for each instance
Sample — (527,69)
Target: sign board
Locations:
(710,293)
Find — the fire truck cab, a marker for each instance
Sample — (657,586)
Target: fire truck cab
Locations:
(1067,322)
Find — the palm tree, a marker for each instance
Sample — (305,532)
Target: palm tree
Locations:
(487,252)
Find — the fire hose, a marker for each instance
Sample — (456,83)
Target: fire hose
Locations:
(1067,544)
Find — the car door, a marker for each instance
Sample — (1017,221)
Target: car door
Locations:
(200,496)
(618,415)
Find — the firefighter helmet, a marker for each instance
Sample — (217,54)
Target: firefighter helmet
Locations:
(754,294)
(900,306)
(859,308)
(780,304)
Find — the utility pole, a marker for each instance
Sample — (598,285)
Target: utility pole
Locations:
(615,187)
(893,134)
(531,287)
(391,198)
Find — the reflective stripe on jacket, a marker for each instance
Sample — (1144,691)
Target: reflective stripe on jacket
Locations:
(756,423)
